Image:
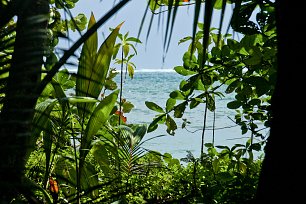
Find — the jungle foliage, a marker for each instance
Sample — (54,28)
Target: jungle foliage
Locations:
(79,147)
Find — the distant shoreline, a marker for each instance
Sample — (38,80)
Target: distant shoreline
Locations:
(138,70)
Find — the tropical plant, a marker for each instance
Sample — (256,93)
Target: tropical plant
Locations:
(24,63)
(271,15)
(26,44)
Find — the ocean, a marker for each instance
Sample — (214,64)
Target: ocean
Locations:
(155,85)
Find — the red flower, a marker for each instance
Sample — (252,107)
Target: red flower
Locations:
(53,186)
(121,116)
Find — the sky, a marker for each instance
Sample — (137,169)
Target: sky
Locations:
(150,52)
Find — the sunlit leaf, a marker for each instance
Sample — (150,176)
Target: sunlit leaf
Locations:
(98,118)
(153,106)
(182,71)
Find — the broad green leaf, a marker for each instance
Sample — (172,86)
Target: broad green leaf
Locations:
(218,4)
(155,122)
(101,155)
(177,95)
(41,121)
(180,109)
(182,71)
(127,107)
(234,104)
(216,165)
(255,101)
(79,99)
(93,67)
(41,116)
(233,44)
(170,104)
(64,79)
(195,102)
(89,179)
(115,50)
(232,86)
(216,52)
(190,61)
(97,119)
(256,147)
(261,84)
(255,57)
(153,106)
(171,125)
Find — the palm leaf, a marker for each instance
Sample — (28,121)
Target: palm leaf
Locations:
(78,43)
(93,67)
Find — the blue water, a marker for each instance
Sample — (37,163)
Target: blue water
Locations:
(155,86)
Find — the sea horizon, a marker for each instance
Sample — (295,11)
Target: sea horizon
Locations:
(148,86)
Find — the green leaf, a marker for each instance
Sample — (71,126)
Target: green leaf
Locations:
(171,125)
(101,155)
(185,39)
(41,116)
(133,39)
(182,71)
(177,95)
(233,44)
(79,22)
(190,61)
(232,86)
(170,104)
(218,4)
(255,57)
(79,99)
(261,84)
(179,110)
(211,105)
(140,132)
(131,71)
(234,104)
(97,120)
(155,122)
(127,107)
(153,106)
(64,79)
(195,102)
(93,67)
(126,50)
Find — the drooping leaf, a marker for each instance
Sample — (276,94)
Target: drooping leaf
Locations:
(41,116)
(171,125)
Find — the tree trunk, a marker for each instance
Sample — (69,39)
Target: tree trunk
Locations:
(20,100)
(283,176)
